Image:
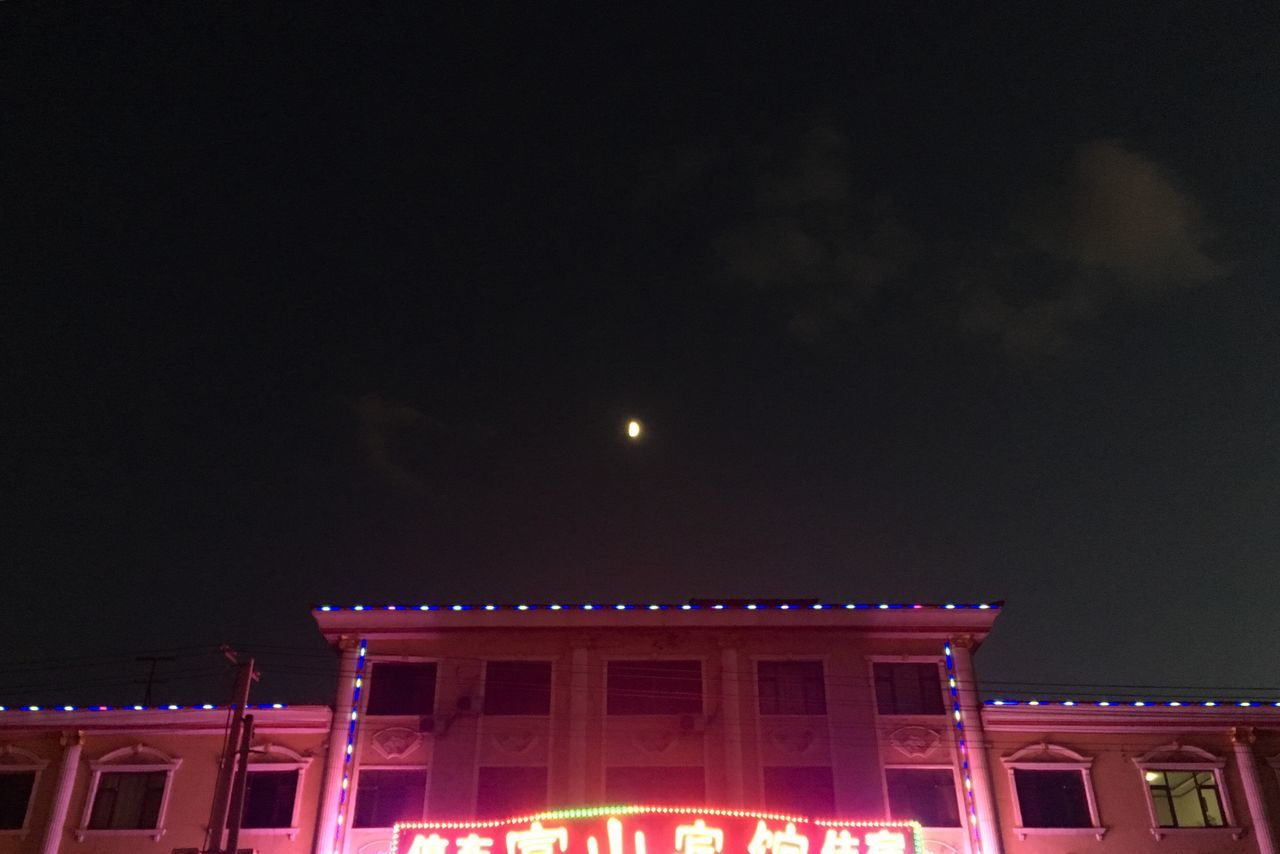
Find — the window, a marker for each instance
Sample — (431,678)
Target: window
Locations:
(400,688)
(1185,798)
(517,688)
(385,797)
(680,784)
(655,687)
(268,799)
(927,795)
(504,791)
(128,800)
(1052,790)
(806,790)
(791,688)
(15,797)
(1052,798)
(908,689)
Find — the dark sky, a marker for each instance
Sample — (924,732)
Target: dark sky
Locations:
(916,304)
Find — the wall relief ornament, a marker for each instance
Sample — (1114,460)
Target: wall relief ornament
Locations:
(793,739)
(514,740)
(397,741)
(915,742)
(654,740)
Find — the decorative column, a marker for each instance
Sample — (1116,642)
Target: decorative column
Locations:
(984,801)
(335,758)
(1242,738)
(72,742)
(731,715)
(579,712)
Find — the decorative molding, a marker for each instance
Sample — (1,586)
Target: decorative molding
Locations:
(16,759)
(1176,756)
(654,740)
(396,741)
(915,742)
(514,740)
(1047,756)
(793,739)
(377,846)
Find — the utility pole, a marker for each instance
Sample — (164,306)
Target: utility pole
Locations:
(151,674)
(222,793)
(237,791)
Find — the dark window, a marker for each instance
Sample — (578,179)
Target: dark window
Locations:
(908,689)
(791,688)
(517,688)
(269,797)
(15,795)
(666,785)
(1185,798)
(804,790)
(927,795)
(655,687)
(1052,798)
(386,797)
(502,792)
(128,800)
(397,688)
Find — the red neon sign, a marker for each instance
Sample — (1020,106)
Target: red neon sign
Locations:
(656,830)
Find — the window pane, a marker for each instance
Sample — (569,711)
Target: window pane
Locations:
(1185,798)
(804,790)
(1052,798)
(268,798)
(908,689)
(502,792)
(386,797)
(791,688)
(397,688)
(927,795)
(15,794)
(655,687)
(128,800)
(661,785)
(517,688)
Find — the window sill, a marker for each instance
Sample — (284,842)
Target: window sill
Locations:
(1024,832)
(20,832)
(154,832)
(291,832)
(1161,832)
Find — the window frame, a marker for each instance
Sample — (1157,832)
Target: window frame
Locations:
(15,760)
(938,663)
(821,661)
(350,808)
(112,763)
(829,767)
(1187,758)
(372,663)
(288,760)
(957,789)
(535,659)
(1061,759)
(546,778)
(700,716)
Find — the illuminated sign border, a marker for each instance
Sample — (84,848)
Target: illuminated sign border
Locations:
(911,827)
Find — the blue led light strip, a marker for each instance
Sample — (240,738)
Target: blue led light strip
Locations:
(351,743)
(631,606)
(1138,704)
(195,707)
(964,751)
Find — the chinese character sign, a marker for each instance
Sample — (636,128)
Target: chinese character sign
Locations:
(656,830)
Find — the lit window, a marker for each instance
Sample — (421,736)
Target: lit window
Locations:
(128,800)
(680,784)
(402,688)
(1185,798)
(807,790)
(385,797)
(15,798)
(927,795)
(908,689)
(655,687)
(269,797)
(517,688)
(504,791)
(1052,789)
(791,688)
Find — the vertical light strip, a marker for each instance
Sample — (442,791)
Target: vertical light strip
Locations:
(351,745)
(964,752)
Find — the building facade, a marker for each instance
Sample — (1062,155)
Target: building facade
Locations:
(740,714)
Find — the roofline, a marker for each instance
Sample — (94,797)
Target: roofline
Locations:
(1127,718)
(208,718)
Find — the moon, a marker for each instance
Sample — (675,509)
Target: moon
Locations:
(634,429)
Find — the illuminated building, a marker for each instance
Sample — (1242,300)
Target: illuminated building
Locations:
(750,727)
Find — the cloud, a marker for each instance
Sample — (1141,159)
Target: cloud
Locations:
(383,426)
(1123,214)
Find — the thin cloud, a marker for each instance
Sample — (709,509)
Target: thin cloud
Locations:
(382,425)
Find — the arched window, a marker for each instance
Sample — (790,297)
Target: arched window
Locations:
(1052,790)
(1185,790)
(273,791)
(128,793)
(19,775)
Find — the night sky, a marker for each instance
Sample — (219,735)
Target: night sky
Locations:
(915,304)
